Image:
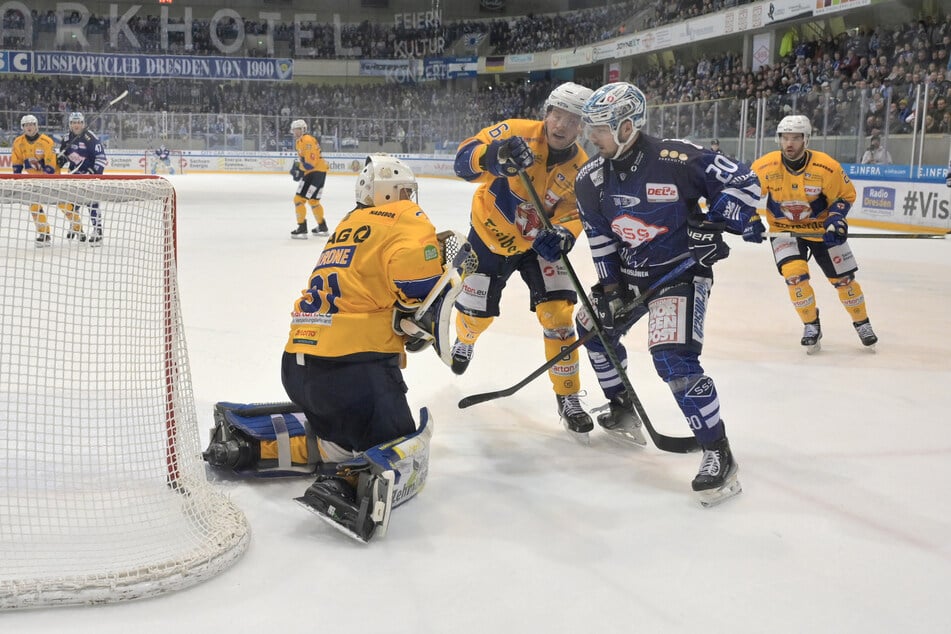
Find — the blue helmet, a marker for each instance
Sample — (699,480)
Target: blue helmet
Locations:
(613,104)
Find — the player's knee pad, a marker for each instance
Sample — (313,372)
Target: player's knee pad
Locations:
(555,316)
(469,327)
(842,282)
(795,272)
(674,365)
(262,440)
(299,201)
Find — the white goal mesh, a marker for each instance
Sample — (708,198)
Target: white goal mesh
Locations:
(176,163)
(103,494)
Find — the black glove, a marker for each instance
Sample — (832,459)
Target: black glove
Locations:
(61,160)
(416,341)
(705,239)
(607,304)
(553,243)
(296,172)
(506,157)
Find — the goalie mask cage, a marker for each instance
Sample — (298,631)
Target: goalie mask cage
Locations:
(103,492)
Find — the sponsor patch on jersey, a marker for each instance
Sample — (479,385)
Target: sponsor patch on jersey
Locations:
(662,193)
(625,202)
(812,190)
(668,321)
(336,256)
(635,232)
(551,199)
(430,252)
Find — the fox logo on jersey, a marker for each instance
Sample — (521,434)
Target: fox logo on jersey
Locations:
(796,210)
(635,232)
(527,220)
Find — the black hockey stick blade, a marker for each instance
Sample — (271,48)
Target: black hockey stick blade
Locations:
(883,236)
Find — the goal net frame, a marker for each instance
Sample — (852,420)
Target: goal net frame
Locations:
(103,492)
(176,159)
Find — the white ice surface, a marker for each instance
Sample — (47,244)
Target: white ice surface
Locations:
(845,461)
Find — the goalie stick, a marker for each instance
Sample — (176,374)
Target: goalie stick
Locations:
(673,444)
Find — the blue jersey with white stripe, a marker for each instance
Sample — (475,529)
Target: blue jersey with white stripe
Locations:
(84,153)
(635,208)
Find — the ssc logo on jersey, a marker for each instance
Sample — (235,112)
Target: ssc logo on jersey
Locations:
(634,232)
(662,193)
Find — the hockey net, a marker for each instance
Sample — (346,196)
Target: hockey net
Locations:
(103,493)
(154,165)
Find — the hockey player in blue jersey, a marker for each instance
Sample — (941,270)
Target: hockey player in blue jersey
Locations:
(81,153)
(639,201)
(163,158)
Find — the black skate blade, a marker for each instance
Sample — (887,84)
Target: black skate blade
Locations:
(304,502)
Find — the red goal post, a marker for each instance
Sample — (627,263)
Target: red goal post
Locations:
(103,492)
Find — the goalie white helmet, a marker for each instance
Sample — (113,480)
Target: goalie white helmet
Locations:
(299,124)
(383,180)
(28,119)
(569,96)
(794,124)
(612,105)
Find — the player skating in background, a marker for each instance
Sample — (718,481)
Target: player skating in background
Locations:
(81,152)
(639,203)
(34,153)
(310,173)
(163,161)
(509,237)
(809,192)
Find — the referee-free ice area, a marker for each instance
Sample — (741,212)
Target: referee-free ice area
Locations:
(845,460)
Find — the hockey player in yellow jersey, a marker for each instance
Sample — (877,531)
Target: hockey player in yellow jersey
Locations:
(808,192)
(310,173)
(349,332)
(508,236)
(34,153)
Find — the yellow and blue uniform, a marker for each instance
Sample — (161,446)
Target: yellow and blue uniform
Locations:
(798,201)
(314,168)
(36,155)
(503,226)
(342,359)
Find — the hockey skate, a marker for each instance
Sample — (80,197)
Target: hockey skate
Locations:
(461,354)
(300,233)
(811,334)
(96,238)
(621,422)
(43,240)
(361,512)
(574,418)
(866,334)
(716,480)
(79,236)
(321,229)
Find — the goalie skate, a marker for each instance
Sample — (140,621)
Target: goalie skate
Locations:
(621,423)
(362,513)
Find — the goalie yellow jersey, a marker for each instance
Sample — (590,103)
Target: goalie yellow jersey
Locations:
(502,210)
(29,157)
(375,257)
(308,154)
(797,201)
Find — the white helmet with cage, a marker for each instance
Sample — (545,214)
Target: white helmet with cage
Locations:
(299,124)
(612,105)
(77,117)
(28,119)
(569,96)
(794,124)
(383,179)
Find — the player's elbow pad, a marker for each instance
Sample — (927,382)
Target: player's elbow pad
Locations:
(463,164)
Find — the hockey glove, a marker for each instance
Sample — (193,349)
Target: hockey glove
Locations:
(404,319)
(754,230)
(607,304)
(837,229)
(296,172)
(61,160)
(505,157)
(705,239)
(553,243)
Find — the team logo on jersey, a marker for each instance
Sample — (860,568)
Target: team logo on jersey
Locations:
(625,202)
(635,232)
(796,210)
(527,220)
(662,193)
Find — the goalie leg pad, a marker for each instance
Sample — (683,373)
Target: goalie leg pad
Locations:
(262,440)
(359,497)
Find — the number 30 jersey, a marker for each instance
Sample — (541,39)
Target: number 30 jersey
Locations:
(375,257)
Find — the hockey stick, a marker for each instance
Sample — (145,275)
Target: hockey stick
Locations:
(890,236)
(673,444)
(125,93)
(623,314)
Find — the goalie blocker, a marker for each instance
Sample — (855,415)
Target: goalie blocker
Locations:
(355,496)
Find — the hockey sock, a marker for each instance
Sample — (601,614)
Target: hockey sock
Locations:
(468,328)
(39,217)
(851,296)
(318,210)
(803,298)
(300,208)
(700,404)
